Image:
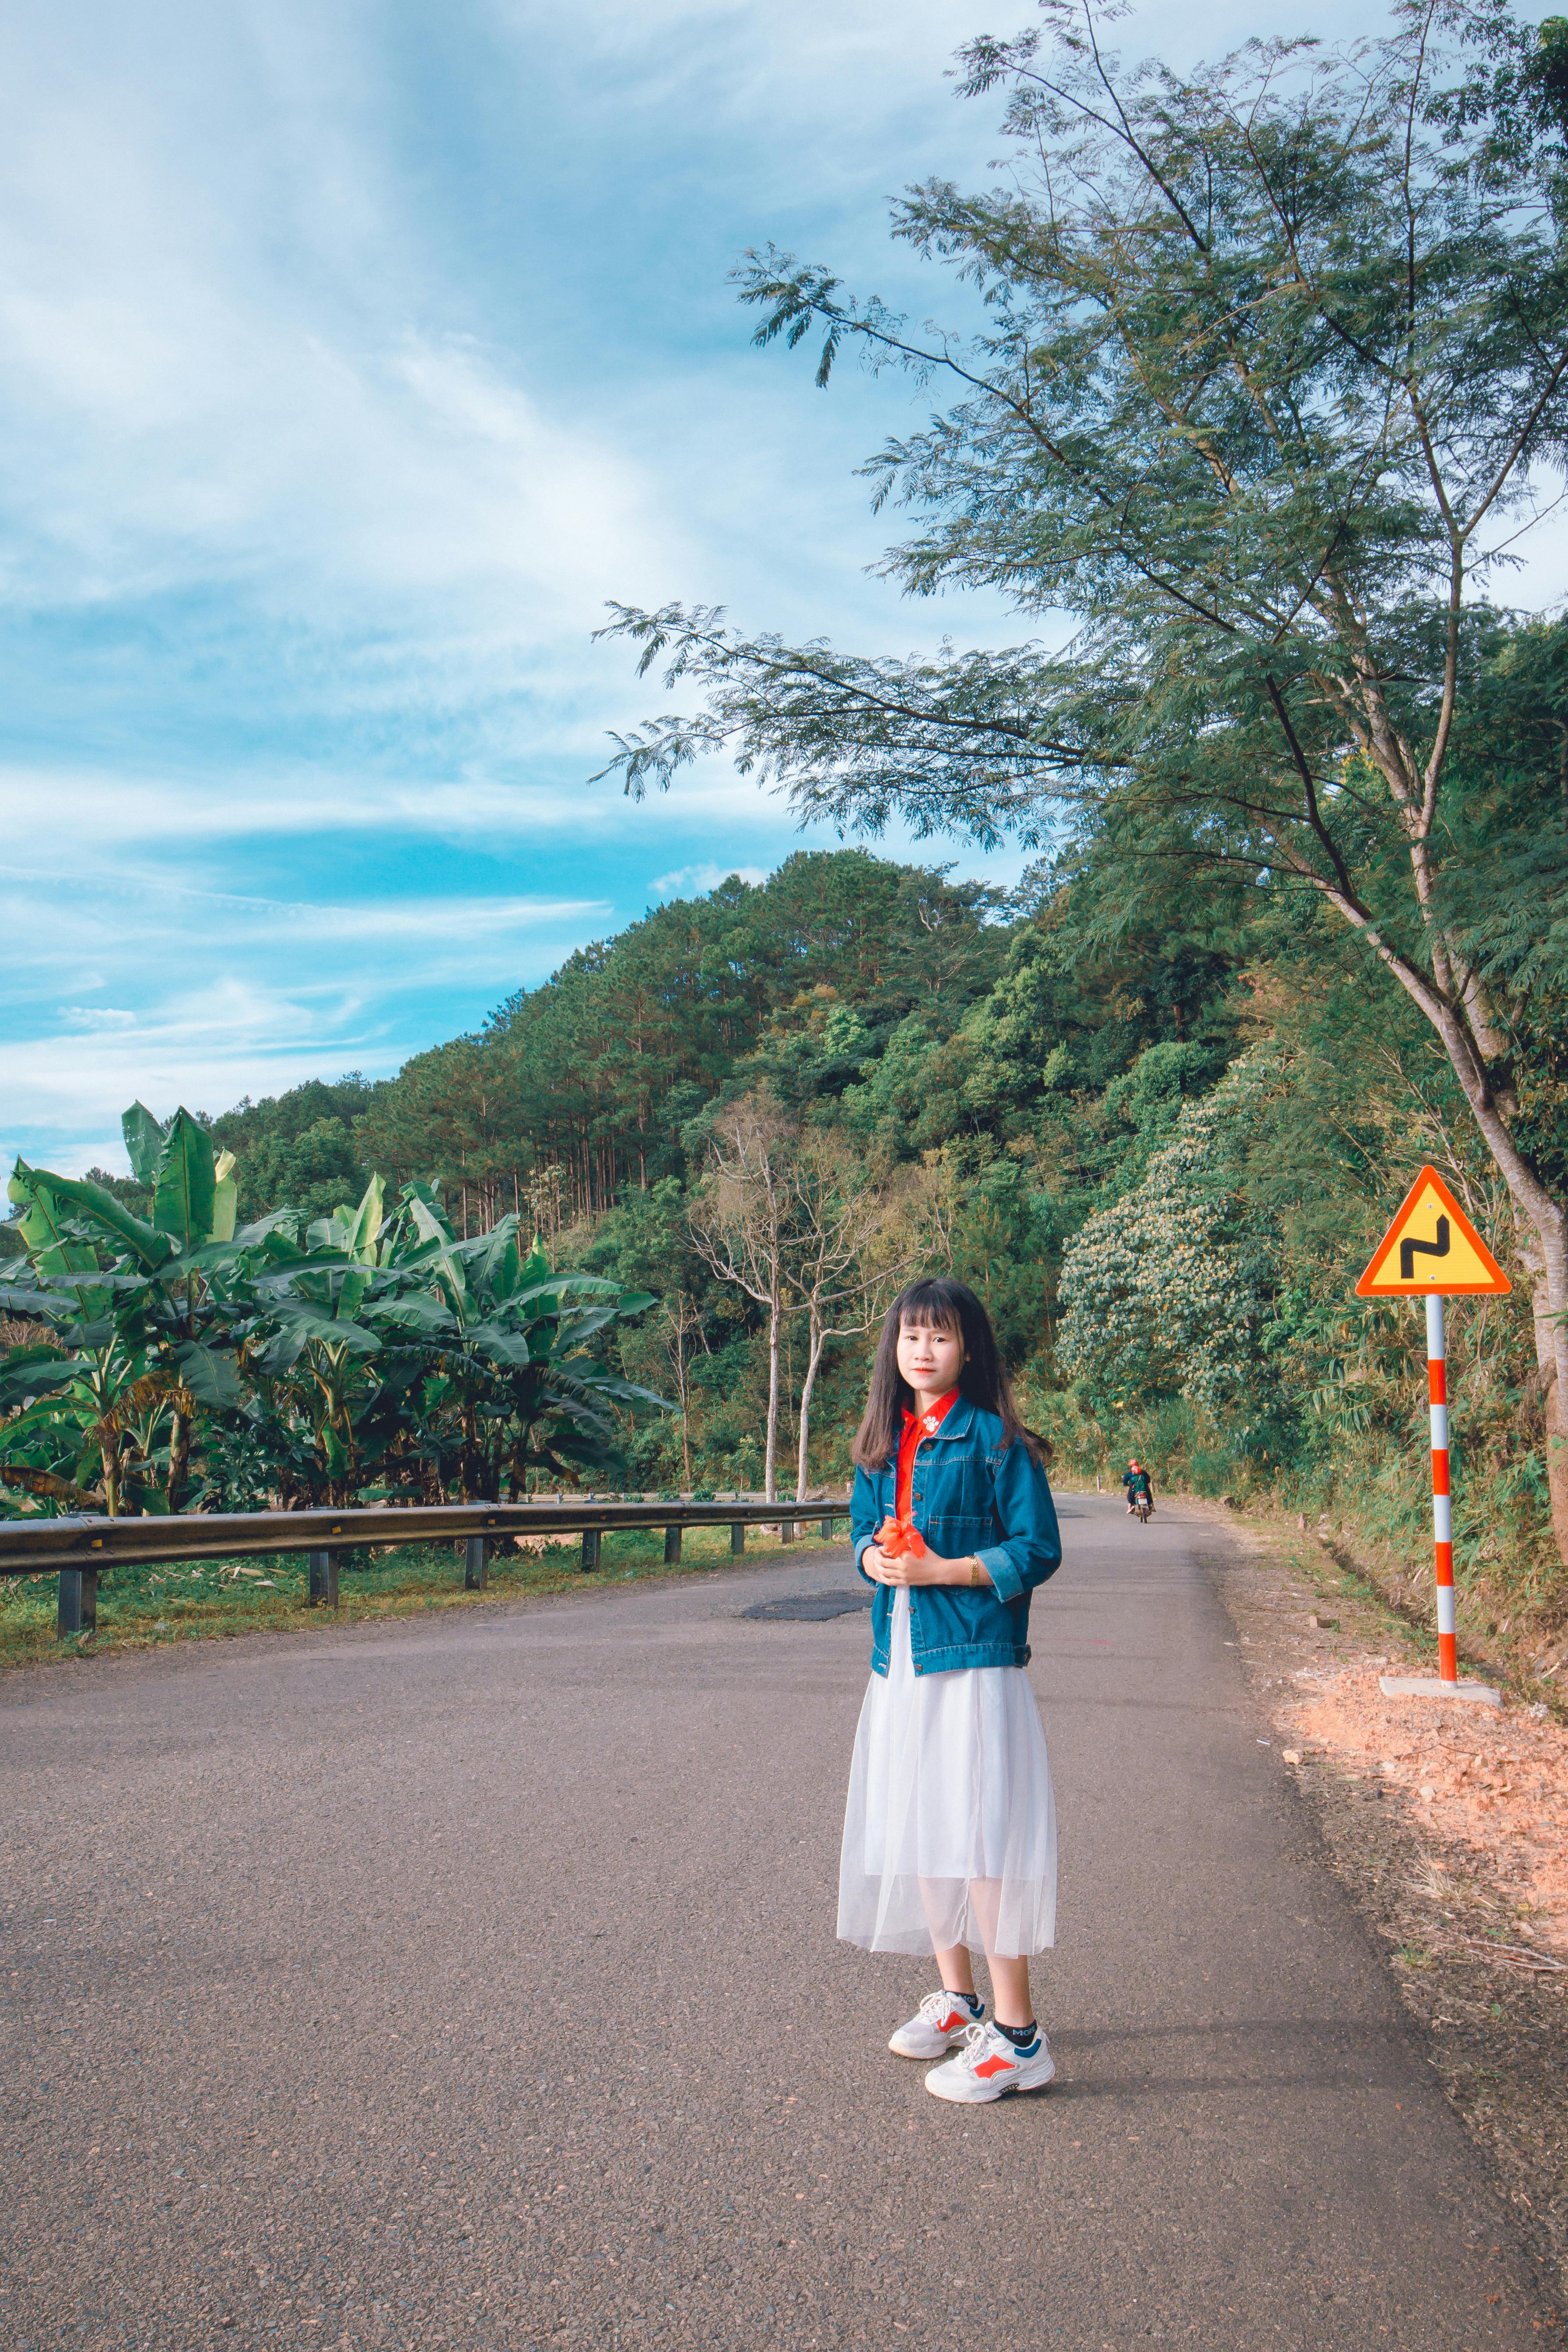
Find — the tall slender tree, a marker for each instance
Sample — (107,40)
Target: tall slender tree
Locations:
(741,1223)
(1269,380)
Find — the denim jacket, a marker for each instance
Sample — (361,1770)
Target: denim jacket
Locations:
(972,1496)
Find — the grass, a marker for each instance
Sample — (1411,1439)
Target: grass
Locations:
(148,1607)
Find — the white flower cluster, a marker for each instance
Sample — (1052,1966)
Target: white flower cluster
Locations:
(1164,1290)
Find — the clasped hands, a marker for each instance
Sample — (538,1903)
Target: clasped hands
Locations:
(900,1556)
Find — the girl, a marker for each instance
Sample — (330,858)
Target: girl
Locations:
(950,1834)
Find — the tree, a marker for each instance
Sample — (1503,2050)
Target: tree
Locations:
(296,1146)
(366,1346)
(1272,355)
(836,1275)
(740,1224)
(1167,1289)
(136,1332)
(681,1321)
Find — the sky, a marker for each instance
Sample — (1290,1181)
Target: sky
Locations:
(351,357)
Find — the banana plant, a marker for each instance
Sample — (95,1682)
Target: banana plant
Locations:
(307,1345)
(364,1349)
(137,1326)
(514,1384)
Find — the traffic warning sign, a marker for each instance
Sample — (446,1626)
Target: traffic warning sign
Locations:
(1431,1248)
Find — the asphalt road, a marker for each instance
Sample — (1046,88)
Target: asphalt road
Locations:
(473,1981)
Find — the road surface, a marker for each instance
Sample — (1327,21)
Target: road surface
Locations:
(472,1981)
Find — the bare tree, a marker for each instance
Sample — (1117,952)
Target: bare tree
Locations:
(841,1260)
(682,1322)
(740,1224)
(542,1192)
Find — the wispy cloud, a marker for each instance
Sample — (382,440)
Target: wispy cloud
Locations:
(451,932)
(81,813)
(205,1048)
(242,995)
(349,361)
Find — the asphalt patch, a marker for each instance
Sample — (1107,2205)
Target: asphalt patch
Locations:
(809,1608)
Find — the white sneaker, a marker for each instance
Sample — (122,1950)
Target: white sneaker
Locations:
(989,2066)
(941,2019)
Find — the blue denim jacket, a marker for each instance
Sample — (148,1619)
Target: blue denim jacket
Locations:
(972,1495)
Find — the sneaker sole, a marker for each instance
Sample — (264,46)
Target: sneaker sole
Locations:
(985,2097)
(924,2057)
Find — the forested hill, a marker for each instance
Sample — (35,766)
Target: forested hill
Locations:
(916,1014)
(597,1074)
(1160,1137)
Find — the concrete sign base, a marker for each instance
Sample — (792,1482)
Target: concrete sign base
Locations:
(1428,1686)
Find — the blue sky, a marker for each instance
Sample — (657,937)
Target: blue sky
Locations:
(351,357)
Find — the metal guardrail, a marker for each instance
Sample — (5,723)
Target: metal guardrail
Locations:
(79,1550)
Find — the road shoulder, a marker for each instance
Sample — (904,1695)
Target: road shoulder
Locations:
(1444,1823)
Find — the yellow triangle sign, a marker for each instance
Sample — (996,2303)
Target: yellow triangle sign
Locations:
(1431,1245)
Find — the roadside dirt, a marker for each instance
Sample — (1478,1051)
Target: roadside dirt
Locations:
(1447,1824)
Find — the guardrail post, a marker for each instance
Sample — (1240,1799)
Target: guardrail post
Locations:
(78,1601)
(672,1547)
(828,1528)
(590,1550)
(476,1557)
(737,1536)
(786,1531)
(323,1566)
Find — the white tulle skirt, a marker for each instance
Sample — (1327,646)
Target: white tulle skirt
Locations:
(950,1831)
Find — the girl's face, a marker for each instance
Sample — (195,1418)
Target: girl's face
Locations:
(930,1359)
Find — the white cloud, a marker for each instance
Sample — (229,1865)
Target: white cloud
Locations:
(336,396)
(82,815)
(230,354)
(208,921)
(205,1048)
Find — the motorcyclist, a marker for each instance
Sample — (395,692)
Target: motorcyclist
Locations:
(1137,1481)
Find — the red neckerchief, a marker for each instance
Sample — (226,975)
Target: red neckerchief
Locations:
(916,1427)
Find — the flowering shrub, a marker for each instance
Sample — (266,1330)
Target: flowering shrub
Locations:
(1165,1291)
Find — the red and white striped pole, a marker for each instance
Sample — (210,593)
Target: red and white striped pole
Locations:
(1442,1508)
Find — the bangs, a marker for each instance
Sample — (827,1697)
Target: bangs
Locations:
(932,1302)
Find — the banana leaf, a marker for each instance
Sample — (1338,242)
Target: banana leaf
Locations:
(211,1375)
(264,1229)
(597,1382)
(184,1184)
(33,1372)
(307,1323)
(431,1229)
(364,1223)
(150,1247)
(494,1260)
(145,1139)
(417,1310)
(570,1286)
(225,1197)
(53,1250)
(18,1299)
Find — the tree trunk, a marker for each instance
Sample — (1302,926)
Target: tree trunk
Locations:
(802,1470)
(1557,1457)
(680,1385)
(178,1458)
(775,1320)
(1548,1224)
(108,1451)
(1550,1332)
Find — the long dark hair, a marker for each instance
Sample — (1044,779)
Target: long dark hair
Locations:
(950,1306)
